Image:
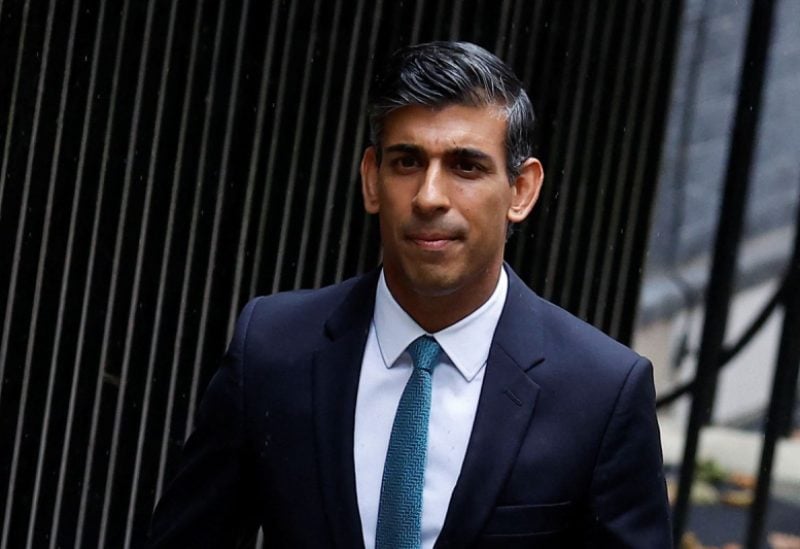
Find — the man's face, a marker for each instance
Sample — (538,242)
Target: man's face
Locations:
(444,199)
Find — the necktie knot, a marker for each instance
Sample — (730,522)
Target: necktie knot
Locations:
(424,352)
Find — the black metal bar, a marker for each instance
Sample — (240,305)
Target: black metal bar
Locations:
(177,174)
(9,301)
(606,173)
(136,122)
(312,185)
(205,158)
(12,111)
(680,164)
(222,180)
(297,153)
(640,205)
(784,386)
(46,419)
(580,38)
(255,153)
(353,188)
(729,229)
(730,351)
(572,278)
(350,76)
(21,231)
(613,276)
(72,251)
(274,140)
(91,286)
(166,243)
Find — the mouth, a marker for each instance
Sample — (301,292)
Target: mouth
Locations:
(432,242)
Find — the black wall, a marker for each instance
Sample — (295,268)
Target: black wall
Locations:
(164,161)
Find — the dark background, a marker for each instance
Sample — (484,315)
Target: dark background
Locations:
(162,162)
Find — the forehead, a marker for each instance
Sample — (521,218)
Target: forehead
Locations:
(437,130)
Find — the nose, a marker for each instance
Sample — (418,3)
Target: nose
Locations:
(432,194)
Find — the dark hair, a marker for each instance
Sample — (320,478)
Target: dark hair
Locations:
(438,74)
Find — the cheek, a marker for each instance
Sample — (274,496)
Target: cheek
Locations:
(395,199)
(487,213)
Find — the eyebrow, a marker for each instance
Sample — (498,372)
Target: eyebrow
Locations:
(471,154)
(403,148)
(460,152)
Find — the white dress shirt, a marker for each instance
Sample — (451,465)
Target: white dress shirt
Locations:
(457,382)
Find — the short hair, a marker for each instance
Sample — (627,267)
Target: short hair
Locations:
(439,74)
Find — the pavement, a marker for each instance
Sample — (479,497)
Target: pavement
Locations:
(738,452)
(735,450)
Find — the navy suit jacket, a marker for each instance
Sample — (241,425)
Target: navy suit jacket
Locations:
(564,451)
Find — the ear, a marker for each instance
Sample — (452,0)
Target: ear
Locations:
(369,180)
(525,190)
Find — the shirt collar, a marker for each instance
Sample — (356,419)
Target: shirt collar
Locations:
(466,342)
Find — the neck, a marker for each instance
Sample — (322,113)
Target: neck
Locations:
(437,312)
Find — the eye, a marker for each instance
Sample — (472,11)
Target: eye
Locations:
(468,168)
(405,164)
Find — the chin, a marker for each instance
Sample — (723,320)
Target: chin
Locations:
(434,284)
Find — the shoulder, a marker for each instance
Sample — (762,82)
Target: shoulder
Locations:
(297,308)
(575,339)
(568,358)
(297,321)
(563,340)
(584,365)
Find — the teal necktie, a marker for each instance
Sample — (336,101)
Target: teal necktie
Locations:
(400,509)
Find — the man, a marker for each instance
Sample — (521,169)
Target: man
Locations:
(436,401)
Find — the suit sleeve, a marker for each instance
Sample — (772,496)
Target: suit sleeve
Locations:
(208,503)
(629,500)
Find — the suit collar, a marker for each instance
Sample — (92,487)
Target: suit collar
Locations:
(335,387)
(356,308)
(519,331)
(466,343)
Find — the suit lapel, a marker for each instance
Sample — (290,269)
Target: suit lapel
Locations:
(505,409)
(336,373)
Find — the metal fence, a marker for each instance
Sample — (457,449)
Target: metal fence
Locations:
(163,161)
(713,354)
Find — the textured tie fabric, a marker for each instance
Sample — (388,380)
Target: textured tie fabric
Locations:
(400,508)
